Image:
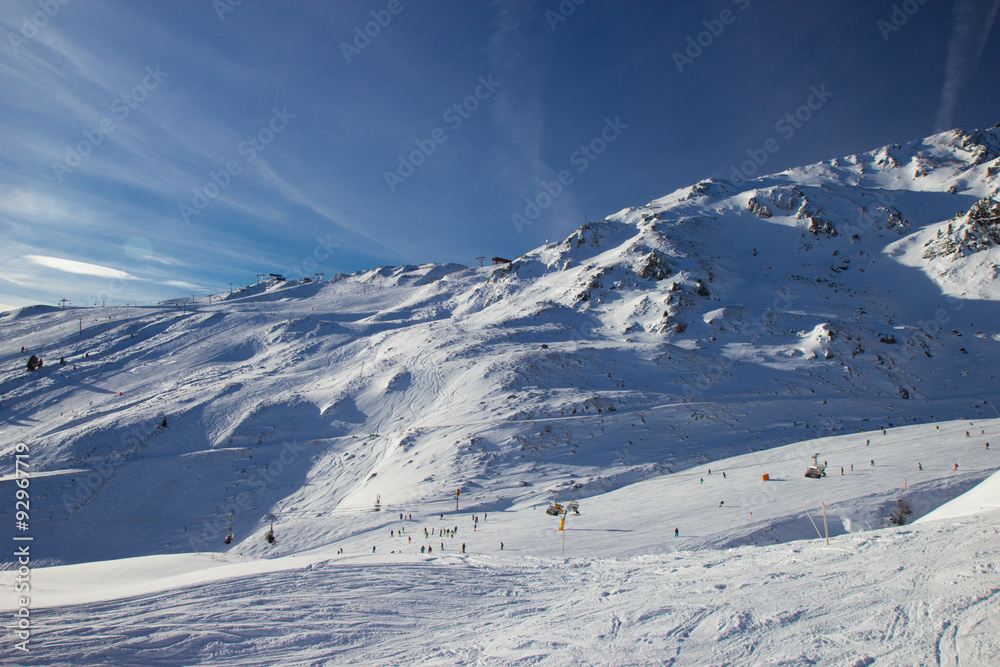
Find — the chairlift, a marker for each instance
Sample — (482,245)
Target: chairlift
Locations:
(378,503)
(555,509)
(574,506)
(269,537)
(229,536)
(817,469)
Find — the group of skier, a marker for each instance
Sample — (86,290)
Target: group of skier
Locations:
(428,533)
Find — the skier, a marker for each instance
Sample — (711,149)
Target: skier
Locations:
(722,503)
(956,468)
(841,470)
(391,534)
(501,546)
(702,480)
(373,549)
(463,547)
(421,549)
(967,434)
(987,446)
(723,475)
(873,463)
(868,442)
(920,466)
(677,532)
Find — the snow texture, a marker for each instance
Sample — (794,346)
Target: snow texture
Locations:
(653,366)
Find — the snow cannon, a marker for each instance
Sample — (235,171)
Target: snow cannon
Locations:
(817,469)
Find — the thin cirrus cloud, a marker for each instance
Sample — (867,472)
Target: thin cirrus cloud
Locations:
(973,22)
(82,268)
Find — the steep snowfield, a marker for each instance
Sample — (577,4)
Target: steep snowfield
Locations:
(707,329)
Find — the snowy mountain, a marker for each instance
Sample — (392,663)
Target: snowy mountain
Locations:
(703,331)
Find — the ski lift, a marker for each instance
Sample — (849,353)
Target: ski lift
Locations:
(817,469)
(378,503)
(574,506)
(555,509)
(229,536)
(269,537)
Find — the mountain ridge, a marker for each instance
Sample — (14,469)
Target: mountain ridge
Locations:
(722,316)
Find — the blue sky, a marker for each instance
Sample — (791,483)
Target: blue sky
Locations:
(151,150)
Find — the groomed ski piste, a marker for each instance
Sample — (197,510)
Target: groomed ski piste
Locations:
(653,367)
(627,591)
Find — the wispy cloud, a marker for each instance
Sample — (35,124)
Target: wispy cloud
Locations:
(182,284)
(973,21)
(517,106)
(83,268)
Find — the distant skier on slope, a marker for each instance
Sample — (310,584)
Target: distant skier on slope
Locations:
(677,532)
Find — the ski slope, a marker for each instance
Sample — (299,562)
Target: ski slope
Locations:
(847,309)
(626,592)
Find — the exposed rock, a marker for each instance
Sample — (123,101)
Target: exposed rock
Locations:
(968,233)
(655,267)
(755,207)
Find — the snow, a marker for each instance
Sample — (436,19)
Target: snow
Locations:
(984,497)
(757,342)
